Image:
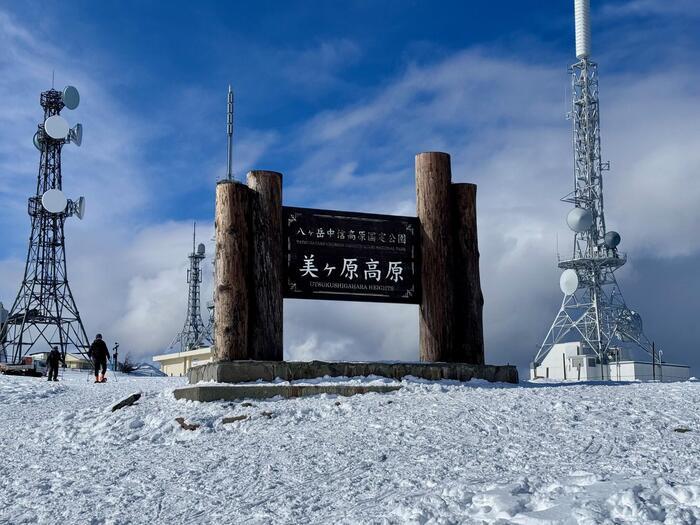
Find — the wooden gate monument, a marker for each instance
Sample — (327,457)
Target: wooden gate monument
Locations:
(266,252)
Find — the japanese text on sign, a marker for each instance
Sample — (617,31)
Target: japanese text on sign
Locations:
(351,256)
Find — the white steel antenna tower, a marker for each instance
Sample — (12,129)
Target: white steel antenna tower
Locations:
(593,310)
(194,334)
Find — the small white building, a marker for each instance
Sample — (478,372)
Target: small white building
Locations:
(73,361)
(632,370)
(567,361)
(178,363)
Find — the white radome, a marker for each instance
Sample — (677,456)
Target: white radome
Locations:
(56,127)
(568,282)
(582,18)
(54,201)
(579,219)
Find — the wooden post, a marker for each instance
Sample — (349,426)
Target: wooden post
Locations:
(232,269)
(436,323)
(265,332)
(469,299)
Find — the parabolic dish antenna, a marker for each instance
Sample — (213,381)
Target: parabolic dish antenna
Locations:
(56,127)
(54,201)
(579,219)
(200,249)
(634,321)
(630,325)
(568,282)
(37,144)
(80,208)
(71,97)
(612,239)
(76,134)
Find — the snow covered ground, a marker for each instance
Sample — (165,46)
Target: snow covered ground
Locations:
(430,453)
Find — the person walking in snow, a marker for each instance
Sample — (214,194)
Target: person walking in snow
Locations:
(53,360)
(100,355)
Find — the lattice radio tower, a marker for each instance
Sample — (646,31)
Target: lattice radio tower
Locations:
(44,314)
(593,310)
(194,334)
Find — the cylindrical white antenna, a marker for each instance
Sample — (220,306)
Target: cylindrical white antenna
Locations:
(582,17)
(229,132)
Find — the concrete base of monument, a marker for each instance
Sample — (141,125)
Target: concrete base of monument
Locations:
(247,371)
(224,392)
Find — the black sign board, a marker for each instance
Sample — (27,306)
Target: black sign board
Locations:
(340,255)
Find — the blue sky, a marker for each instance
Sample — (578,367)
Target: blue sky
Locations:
(339,97)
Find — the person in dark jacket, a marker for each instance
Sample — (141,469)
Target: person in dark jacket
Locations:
(100,355)
(53,361)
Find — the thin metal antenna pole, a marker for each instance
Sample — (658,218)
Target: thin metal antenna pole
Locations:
(229,132)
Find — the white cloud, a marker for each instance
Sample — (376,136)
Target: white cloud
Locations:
(317,67)
(652,7)
(153,309)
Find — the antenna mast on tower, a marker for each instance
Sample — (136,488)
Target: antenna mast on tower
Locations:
(593,310)
(229,132)
(207,338)
(229,176)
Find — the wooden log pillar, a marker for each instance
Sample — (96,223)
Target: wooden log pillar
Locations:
(232,271)
(469,299)
(265,333)
(436,323)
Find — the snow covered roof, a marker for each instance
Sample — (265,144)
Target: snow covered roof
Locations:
(197,352)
